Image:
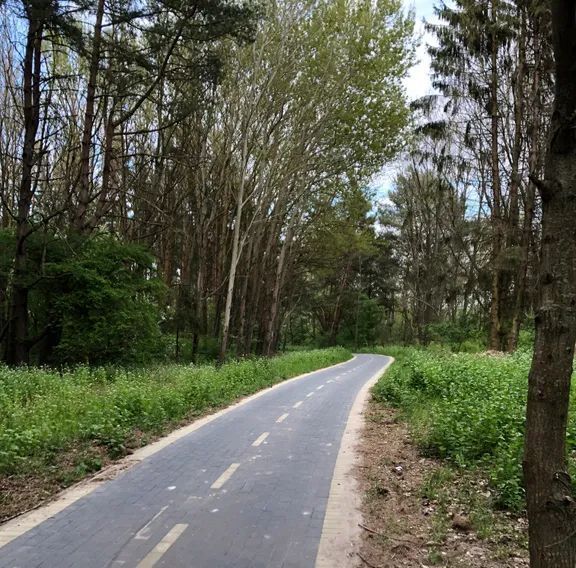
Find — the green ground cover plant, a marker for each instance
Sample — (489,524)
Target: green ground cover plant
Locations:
(466,408)
(46,413)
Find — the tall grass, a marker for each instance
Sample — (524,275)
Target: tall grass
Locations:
(44,413)
(469,409)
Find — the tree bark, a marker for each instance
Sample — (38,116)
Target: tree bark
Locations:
(272,328)
(17,345)
(550,499)
(236,250)
(89,114)
(496,328)
(514,308)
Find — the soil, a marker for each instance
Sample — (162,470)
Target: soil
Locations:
(24,492)
(405,527)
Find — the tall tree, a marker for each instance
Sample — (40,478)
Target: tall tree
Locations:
(41,18)
(550,495)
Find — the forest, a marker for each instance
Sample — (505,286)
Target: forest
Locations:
(192,181)
(198,187)
(192,191)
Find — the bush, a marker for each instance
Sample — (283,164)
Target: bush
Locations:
(107,307)
(469,409)
(463,335)
(92,300)
(45,413)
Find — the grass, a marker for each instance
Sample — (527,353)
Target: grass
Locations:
(84,416)
(467,409)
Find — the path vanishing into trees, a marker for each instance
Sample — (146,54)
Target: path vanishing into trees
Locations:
(248,489)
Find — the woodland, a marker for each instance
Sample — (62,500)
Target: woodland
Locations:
(199,184)
(202,182)
(191,180)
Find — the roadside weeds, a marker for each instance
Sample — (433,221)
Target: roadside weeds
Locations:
(418,512)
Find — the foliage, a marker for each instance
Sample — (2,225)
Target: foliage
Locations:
(108,307)
(467,408)
(464,334)
(92,300)
(46,413)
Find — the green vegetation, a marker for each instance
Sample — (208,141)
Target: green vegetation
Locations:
(468,409)
(91,301)
(234,226)
(102,412)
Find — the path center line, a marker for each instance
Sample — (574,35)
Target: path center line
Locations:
(320,387)
(299,403)
(309,394)
(225,476)
(282,418)
(260,439)
(162,547)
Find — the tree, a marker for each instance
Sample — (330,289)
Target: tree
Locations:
(41,18)
(491,68)
(211,137)
(71,178)
(550,495)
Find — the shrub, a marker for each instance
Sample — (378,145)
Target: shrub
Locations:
(107,307)
(91,300)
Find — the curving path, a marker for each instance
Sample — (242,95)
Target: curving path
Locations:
(246,490)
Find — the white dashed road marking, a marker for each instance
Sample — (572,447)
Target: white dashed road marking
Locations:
(320,387)
(225,476)
(310,394)
(282,418)
(260,439)
(298,404)
(162,547)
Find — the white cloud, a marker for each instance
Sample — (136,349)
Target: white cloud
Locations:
(418,81)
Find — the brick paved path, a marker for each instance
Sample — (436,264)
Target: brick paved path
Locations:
(247,490)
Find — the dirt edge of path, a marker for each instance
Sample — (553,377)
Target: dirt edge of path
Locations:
(417,512)
(341,527)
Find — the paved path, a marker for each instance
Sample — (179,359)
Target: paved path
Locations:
(247,490)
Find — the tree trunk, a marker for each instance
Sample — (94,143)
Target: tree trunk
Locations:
(534,165)
(235,255)
(17,345)
(89,114)
(496,330)
(550,499)
(514,308)
(272,327)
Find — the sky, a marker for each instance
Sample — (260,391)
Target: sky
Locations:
(418,82)
(417,85)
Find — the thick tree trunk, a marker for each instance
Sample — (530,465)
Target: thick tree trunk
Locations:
(550,499)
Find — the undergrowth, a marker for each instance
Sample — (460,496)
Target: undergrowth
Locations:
(45,413)
(468,409)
